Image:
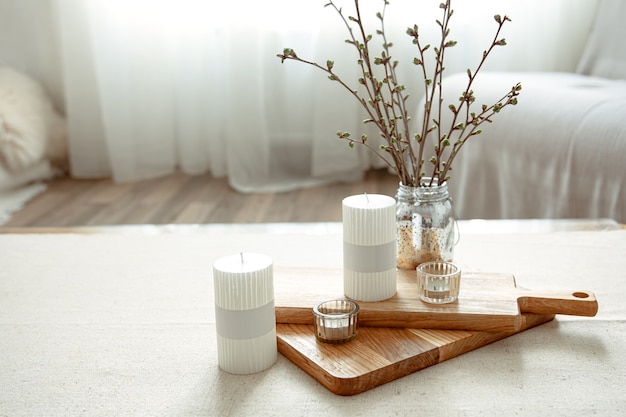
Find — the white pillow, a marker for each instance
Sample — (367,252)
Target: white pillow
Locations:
(605,53)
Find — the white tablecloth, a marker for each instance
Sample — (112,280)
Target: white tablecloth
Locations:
(123,325)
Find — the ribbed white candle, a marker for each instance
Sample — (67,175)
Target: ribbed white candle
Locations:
(244,312)
(369,247)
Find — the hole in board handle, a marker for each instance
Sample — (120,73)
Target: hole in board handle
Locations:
(581,295)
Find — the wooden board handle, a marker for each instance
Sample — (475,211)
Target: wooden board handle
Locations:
(578,303)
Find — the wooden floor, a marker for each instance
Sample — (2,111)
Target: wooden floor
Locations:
(183,199)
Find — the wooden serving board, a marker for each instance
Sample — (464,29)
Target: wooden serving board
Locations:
(379,355)
(487,301)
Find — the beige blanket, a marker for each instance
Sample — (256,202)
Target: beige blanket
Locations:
(103,325)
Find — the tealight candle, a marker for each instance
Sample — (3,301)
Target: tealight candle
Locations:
(244,313)
(336,321)
(369,247)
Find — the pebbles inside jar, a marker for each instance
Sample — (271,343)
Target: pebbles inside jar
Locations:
(415,247)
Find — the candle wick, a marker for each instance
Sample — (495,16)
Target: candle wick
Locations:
(366,197)
(241,255)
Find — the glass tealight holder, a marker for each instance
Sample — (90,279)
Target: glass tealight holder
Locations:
(438,282)
(336,321)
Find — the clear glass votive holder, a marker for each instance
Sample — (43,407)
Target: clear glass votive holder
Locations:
(336,321)
(438,282)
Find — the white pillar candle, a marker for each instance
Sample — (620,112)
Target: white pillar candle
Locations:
(369,247)
(244,313)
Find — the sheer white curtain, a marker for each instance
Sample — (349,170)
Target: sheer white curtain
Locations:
(151,86)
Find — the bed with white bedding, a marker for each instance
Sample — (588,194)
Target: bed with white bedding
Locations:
(561,152)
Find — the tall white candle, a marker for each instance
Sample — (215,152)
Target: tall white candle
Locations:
(369,247)
(244,312)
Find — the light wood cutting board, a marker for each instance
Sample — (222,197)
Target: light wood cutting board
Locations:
(487,301)
(379,355)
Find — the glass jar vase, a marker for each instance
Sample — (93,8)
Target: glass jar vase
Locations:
(425,225)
